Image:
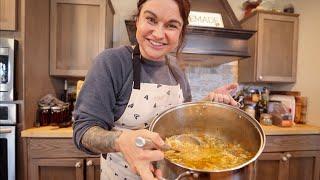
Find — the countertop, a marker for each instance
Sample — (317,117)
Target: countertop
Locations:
(56,132)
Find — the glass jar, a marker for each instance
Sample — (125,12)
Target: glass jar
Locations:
(265,119)
(56,114)
(250,109)
(44,115)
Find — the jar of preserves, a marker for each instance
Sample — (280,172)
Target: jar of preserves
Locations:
(56,114)
(44,115)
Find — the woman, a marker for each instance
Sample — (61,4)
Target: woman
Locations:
(128,86)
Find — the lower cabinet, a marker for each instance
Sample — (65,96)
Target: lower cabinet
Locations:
(290,158)
(52,159)
(286,157)
(71,169)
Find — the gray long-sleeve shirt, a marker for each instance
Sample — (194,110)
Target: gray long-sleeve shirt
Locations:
(108,85)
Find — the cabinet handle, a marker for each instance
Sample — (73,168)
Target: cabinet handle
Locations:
(284,158)
(260,77)
(288,155)
(78,165)
(89,163)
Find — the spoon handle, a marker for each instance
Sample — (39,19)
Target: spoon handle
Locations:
(146,143)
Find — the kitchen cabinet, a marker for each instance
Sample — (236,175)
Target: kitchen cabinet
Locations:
(52,154)
(273,48)
(58,158)
(79,31)
(290,158)
(8,15)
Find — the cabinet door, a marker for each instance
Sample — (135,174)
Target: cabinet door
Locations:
(277,48)
(304,165)
(8,15)
(53,169)
(93,169)
(77,35)
(272,166)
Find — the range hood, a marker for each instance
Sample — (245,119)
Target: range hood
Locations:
(208,45)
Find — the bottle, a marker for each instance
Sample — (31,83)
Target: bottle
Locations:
(250,109)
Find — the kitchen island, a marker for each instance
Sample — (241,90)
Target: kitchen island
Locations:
(290,153)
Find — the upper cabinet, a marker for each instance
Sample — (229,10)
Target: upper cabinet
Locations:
(273,48)
(79,31)
(8,15)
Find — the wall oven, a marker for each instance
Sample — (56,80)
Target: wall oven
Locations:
(7,48)
(7,140)
(7,152)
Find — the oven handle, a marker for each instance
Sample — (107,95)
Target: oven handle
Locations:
(5,130)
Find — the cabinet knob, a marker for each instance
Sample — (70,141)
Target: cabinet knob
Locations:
(260,77)
(284,158)
(89,163)
(78,165)
(288,155)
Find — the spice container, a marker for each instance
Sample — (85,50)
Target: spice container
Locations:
(56,115)
(44,115)
(265,119)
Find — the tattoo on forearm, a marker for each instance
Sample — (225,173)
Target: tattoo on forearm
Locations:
(99,140)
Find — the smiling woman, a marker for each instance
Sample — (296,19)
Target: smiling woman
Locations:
(159,26)
(127,86)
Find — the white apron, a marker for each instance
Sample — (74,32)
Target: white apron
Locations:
(144,104)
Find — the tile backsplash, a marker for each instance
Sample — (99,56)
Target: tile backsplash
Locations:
(204,79)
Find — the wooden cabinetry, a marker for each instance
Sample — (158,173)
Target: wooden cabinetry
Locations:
(273,48)
(56,158)
(8,15)
(79,31)
(285,157)
(290,158)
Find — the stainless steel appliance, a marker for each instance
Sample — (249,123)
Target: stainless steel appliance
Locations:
(7,141)
(7,48)
(7,152)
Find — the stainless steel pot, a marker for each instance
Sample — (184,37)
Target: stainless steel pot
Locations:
(228,122)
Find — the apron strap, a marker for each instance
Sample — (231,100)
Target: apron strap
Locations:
(136,58)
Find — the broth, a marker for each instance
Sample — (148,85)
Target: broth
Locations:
(212,154)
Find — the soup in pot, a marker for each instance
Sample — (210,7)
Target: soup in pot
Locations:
(212,153)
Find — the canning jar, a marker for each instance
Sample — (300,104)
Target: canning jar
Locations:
(265,119)
(44,115)
(56,114)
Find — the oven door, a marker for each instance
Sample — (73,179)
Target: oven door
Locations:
(7,152)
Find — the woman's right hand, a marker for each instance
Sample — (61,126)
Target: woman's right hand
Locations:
(140,159)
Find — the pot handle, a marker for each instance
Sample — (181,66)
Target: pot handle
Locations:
(187,173)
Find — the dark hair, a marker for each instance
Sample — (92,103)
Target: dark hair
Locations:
(184,8)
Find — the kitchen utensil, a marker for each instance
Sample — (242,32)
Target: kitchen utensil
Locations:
(148,144)
(229,123)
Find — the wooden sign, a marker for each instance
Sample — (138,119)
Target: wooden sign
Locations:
(205,19)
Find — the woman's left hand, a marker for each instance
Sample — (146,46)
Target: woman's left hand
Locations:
(223,94)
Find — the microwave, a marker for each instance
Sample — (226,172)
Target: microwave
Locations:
(7,48)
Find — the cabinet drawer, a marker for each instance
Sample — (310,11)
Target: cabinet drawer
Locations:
(292,143)
(53,148)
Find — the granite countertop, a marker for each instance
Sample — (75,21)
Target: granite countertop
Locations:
(56,132)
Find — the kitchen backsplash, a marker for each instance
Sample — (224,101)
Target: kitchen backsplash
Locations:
(204,79)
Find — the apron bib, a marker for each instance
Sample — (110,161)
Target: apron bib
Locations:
(146,101)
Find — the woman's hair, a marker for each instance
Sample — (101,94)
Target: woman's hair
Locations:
(184,8)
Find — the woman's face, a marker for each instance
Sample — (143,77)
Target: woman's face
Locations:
(159,27)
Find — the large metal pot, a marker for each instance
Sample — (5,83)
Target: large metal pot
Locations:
(228,122)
